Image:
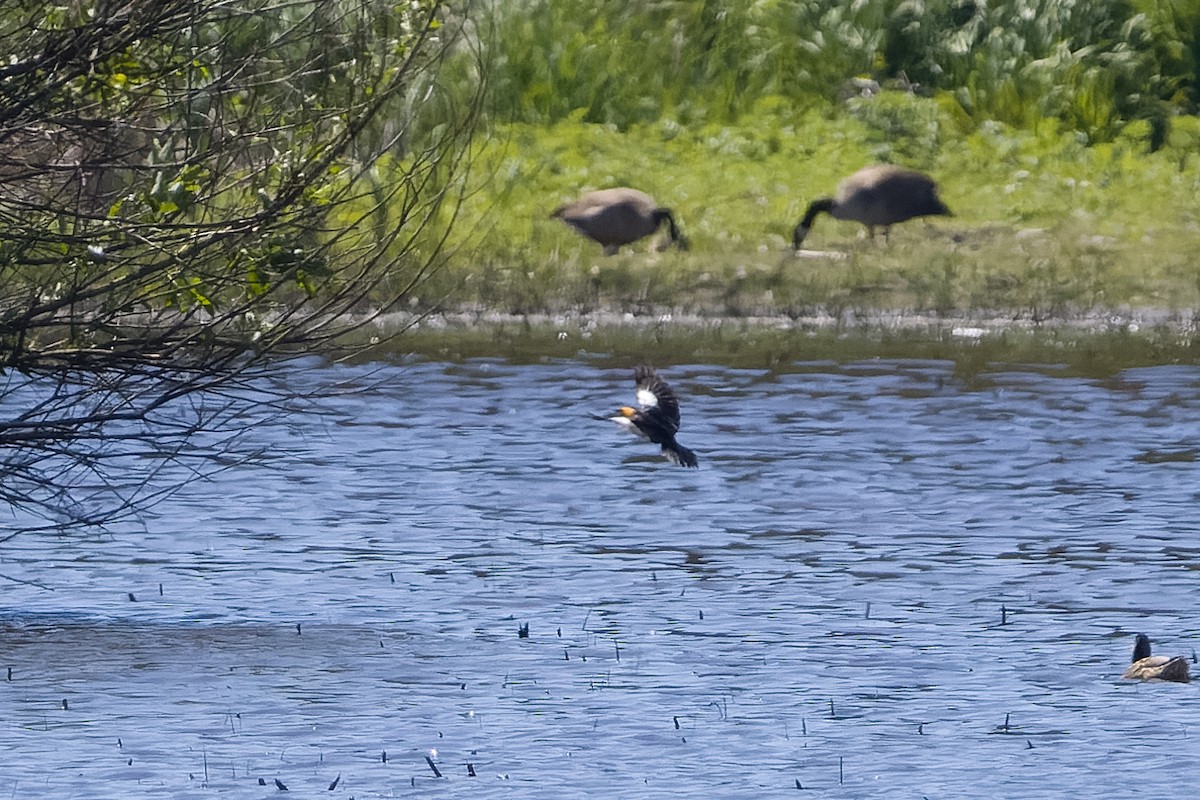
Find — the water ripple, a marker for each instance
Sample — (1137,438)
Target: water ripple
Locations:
(884,580)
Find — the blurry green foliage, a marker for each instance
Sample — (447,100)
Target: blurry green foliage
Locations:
(1090,66)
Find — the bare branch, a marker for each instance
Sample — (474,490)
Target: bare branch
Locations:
(191,190)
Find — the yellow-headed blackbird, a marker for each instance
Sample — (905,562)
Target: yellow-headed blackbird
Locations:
(657,416)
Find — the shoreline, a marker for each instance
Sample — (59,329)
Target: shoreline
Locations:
(966,325)
(1096,344)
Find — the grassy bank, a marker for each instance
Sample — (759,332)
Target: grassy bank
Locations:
(1064,137)
(1046,227)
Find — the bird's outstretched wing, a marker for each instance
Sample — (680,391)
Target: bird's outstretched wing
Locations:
(656,398)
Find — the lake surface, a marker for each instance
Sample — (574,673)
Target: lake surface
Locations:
(877,565)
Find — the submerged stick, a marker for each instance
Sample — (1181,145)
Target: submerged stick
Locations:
(433,767)
(1005,728)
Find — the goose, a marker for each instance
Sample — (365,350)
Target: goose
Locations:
(1146,667)
(656,418)
(613,217)
(878,195)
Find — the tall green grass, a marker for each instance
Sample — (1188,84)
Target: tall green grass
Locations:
(637,62)
(1091,66)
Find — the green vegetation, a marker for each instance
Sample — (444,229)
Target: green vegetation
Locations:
(1063,136)
(1045,225)
(1086,64)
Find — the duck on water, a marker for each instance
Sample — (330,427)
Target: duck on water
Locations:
(1147,667)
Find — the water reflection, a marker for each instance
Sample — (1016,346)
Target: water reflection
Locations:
(877,564)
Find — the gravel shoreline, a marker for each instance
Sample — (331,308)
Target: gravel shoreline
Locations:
(1182,324)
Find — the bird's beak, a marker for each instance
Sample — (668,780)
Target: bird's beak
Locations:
(623,411)
(798,236)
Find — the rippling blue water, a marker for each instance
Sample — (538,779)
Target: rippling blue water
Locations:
(819,605)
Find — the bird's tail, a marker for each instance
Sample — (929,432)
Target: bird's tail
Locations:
(680,455)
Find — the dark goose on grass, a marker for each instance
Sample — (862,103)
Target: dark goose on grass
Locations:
(615,217)
(880,195)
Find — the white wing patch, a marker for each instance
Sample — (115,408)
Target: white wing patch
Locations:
(646,398)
